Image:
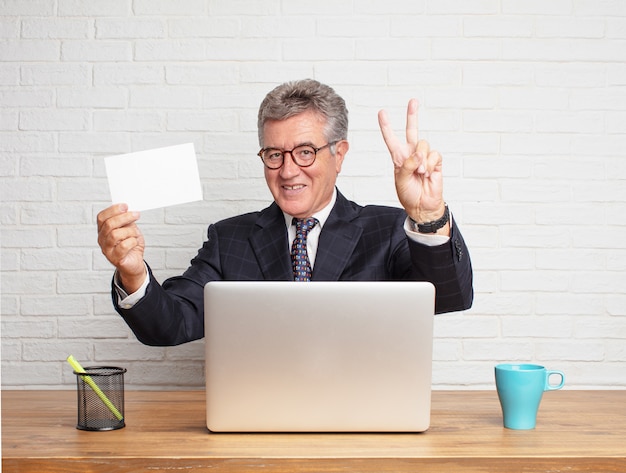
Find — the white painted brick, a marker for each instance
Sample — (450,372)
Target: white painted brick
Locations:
(487,350)
(46,213)
(30,8)
(446,350)
(9,75)
(591,8)
(281,27)
(9,260)
(108,28)
(460,7)
(40,374)
(57,28)
(56,74)
(9,304)
(128,121)
(570,259)
(615,27)
(83,282)
(53,259)
(11,351)
(34,328)
(535,191)
(505,303)
(120,351)
(479,74)
(569,75)
(57,305)
(127,74)
(41,165)
(89,8)
(9,28)
(82,190)
(598,282)
(570,27)
(27,98)
(202,121)
(180,50)
(31,282)
(465,326)
(26,190)
(55,120)
(537,327)
(27,238)
(616,304)
(90,142)
(376,49)
(421,26)
(192,351)
(536,281)
(498,26)
(498,258)
(206,27)
(570,350)
(8,165)
(615,350)
(57,350)
(472,49)
(172,97)
(169,7)
(160,373)
(98,97)
(96,51)
(96,328)
(601,328)
(26,142)
(534,236)
(497,121)
(569,304)
(537,7)
(30,50)
(201,75)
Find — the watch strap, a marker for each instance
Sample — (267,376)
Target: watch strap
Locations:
(433,226)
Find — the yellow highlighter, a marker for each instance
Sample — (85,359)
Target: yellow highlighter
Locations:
(79,369)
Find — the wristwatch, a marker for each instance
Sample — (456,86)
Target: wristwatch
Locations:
(433,226)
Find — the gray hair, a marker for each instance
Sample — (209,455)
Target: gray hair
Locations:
(292,98)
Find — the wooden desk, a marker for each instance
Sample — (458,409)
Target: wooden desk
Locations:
(576,431)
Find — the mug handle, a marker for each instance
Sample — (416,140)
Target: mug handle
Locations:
(552,387)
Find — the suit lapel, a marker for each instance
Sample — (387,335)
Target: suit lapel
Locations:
(269,243)
(338,239)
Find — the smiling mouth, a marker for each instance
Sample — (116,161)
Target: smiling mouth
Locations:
(294,188)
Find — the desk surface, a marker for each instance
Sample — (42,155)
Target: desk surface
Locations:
(576,431)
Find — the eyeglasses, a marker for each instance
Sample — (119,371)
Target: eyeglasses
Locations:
(303,155)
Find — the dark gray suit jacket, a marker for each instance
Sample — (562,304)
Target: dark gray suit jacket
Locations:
(356,244)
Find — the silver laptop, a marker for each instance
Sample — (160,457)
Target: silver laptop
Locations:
(318,356)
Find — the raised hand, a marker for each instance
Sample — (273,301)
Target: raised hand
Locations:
(417,168)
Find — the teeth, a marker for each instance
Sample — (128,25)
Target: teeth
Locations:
(294,187)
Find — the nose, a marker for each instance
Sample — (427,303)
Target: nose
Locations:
(289,167)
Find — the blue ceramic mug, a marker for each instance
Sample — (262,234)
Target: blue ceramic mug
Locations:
(520,389)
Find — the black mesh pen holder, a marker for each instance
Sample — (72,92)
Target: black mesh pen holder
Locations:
(100,393)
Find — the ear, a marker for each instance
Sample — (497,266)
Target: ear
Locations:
(341,148)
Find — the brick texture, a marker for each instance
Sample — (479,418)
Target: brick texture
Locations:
(526,101)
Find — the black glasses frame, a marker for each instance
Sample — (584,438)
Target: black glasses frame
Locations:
(290,151)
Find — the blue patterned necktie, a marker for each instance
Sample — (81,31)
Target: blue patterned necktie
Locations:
(299,257)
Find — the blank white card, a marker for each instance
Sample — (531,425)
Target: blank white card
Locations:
(154,178)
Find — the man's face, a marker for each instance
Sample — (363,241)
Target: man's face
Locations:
(302,191)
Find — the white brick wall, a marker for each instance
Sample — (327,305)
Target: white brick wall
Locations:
(525,100)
